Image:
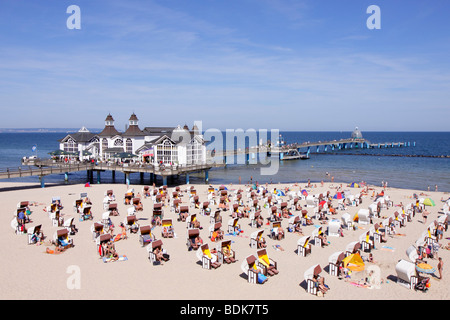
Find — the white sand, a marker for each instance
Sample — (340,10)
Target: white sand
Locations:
(29,273)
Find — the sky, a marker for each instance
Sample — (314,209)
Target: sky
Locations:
(300,65)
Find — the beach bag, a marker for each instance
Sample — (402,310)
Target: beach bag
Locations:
(261,278)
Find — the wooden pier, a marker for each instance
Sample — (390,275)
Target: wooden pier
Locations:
(45,168)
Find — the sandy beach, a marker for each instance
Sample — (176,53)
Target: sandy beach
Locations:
(30,273)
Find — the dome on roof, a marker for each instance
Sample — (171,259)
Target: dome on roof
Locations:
(356,134)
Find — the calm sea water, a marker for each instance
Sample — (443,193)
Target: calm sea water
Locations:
(406,167)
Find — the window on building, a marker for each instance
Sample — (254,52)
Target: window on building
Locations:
(129,146)
(70,146)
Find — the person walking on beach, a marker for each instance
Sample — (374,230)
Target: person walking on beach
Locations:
(440,267)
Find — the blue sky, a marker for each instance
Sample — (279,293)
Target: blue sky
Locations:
(262,64)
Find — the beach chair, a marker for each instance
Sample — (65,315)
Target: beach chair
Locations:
(253,216)
(145,235)
(86,214)
(334,228)
(215,232)
(103,238)
(183,211)
(255,206)
(309,275)
(413,255)
(209,260)
(267,264)
(303,246)
(175,205)
(373,209)
(62,239)
(146,192)
(224,252)
(363,216)
(254,273)
(57,219)
(195,202)
(399,219)
(406,273)
(70,226)
(293,203)
(106,220)
(347,221)
(131,211)
(35,234)
(233,226)
(137,203)
(77,205)
(190,220)
(131,224)
(128,197)
(97,229)
(293,223)
(113,209)
(366,241)
(216,218)
(421,243)
(206,210)
(192,234)
(152,250)
(158,213)
(256,239)
(387,225)
(274,230)
(334,262)
(352,248)
(167,229)
(315,236)
(311,201)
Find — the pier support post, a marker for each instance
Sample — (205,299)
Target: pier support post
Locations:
(127,179)
(206,176)
(41,180)
(98,176)
(164,180)
(66,176)
(187,178)
(152,177)
(141,176)
(114,175)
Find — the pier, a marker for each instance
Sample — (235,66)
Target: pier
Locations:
(48,167)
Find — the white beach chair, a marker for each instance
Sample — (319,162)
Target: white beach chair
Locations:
(347,221)
(406,273)
(334,228)
(352,247)
(308,276)
(311,201)
(334,262)
(250,269)
(366,241)
(363,216)
(255,237)
(209,260)
(303,246)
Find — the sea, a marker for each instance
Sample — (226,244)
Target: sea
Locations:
(422,165)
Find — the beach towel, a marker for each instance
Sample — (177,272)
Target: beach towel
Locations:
(121,258)
(261,278)
(386,248)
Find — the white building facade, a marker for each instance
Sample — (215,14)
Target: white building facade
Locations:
(153,145)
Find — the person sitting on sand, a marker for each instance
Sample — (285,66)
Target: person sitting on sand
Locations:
(259,221)
(424,215)
(261,243)
(197,243)
(57,250)
(323,239)
(319,283)
(168,232)
(159,255)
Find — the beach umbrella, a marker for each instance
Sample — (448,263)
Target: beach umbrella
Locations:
(429,202)
(304,192)
(280,193)
(338,195)
(124,155)
(60,153)
(354,262)
(86,153)
(322,203)
(354,185)
(425,268)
